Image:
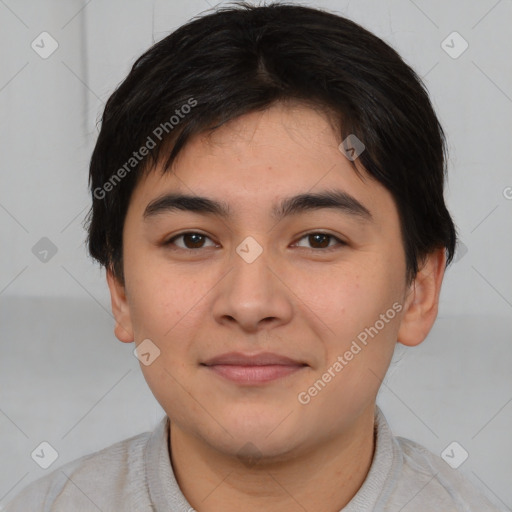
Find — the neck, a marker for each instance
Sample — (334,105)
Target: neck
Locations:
(324,478)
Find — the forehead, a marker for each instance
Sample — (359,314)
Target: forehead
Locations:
(251,161)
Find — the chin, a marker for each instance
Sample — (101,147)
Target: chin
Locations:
(258,435)
(252,451)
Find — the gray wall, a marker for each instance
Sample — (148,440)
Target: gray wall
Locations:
(64,378)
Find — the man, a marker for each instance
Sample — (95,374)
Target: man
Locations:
(268,203)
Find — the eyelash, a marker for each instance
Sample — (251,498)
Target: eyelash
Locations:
(341,243)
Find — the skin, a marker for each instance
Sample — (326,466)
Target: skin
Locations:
(296,299)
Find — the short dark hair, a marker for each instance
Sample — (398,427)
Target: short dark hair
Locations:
(244,58)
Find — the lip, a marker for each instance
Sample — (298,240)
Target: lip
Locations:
(260,359)
(253,368)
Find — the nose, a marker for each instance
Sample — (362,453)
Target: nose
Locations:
(254,295)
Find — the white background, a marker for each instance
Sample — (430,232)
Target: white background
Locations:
(65,379)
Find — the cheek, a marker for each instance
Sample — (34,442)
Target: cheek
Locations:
(342,297)
(359,307)
(158,296)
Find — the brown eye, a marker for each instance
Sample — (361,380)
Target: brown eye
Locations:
(189,241)
(321,240)
(193,240)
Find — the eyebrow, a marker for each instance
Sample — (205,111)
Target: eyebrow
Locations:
(295,205)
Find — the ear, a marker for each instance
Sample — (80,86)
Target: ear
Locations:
(120,308)
(422,300)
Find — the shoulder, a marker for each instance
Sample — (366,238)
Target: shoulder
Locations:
(427,482)
(103,480)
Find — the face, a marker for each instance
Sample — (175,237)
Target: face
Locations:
(303,283)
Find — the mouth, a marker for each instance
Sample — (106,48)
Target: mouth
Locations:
(253,369)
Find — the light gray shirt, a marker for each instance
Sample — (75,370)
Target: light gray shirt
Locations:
(136,475)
